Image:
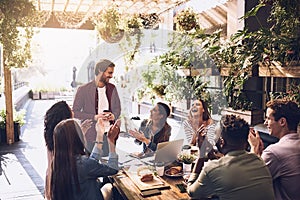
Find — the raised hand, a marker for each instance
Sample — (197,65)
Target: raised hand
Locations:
(255,142)
(201,133)
(100,128)
(86,125)
(136,134)
(113,133)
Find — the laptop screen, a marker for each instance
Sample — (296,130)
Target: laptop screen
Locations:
(166,152)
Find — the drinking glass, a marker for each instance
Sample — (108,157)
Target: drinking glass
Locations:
(160,168)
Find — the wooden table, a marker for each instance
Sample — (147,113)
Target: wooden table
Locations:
(129,190)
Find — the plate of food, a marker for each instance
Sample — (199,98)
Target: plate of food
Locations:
(174,172)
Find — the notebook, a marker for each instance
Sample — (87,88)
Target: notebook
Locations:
(166,152)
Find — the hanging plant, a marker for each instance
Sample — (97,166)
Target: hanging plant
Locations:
(187,20)
(133,34)
(150,21)
(108,25)
(133,25)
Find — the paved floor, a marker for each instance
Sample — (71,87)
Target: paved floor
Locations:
(23,164)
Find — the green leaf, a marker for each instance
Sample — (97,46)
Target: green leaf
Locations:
(253,11)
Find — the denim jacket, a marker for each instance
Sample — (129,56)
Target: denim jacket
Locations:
(89,169)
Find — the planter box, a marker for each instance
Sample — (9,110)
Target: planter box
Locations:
(51,95)
(17,131)
(44,95)
(188,71)
(252,117)
(35,95)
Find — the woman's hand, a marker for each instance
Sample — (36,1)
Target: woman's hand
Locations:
(201,133)
(100,130)
(137,135)
(86,125)
(113,133)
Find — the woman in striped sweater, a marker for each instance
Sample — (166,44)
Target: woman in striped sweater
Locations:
(200,124)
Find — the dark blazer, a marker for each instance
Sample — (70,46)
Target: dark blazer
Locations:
(84,105)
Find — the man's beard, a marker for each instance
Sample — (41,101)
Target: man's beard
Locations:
(104,80)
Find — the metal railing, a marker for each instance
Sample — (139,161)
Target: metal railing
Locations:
(20,84)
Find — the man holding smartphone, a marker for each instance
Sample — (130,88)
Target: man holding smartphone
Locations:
(283,157)
(98,99)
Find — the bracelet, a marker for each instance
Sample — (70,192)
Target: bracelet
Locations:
(98,142)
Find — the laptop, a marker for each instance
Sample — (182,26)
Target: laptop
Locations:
(166,152)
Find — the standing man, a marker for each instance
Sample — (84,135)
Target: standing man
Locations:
(95,97)
(238,174)
(283,157)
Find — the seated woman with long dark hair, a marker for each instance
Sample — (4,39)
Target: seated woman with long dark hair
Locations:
(74,175)
(199,124)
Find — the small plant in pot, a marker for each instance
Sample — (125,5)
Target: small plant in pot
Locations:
(186,158)
(18,118)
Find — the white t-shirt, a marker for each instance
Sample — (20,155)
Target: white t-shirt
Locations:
(102,100)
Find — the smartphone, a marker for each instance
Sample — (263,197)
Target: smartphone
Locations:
(149,193)
(181,187)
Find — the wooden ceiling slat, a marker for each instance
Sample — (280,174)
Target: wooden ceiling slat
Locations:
(52,5)
(78,6)
(66,5)
(128,6)
(211,18)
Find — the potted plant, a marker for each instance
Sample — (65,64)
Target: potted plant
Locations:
(248,51)
(187,20)
(281,41)
(182,69)
(34,94)
(133,25)
(159,90)
(133,35)
(186,159)
(19,120)
(150,21)
(16,44)
(109,26)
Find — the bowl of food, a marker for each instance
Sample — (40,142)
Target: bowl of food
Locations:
(174,172)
